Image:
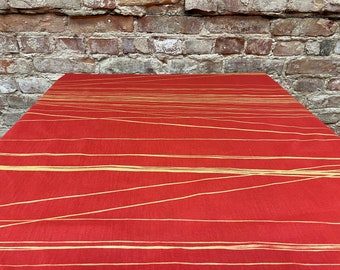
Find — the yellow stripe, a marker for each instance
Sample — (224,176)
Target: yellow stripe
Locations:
(126,168)
(178,220)
(295,248)
(160,201)
(185,125)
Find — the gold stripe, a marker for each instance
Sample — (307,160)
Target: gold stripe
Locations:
(170,116)
(177,263)
(126,168)
(142,108)
(182,220)
(160,201)
(185,125)
(295,248)
(122,190)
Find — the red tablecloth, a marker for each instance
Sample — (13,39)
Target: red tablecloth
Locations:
(169,172)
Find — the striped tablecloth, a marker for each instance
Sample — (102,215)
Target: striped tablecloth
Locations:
(169,172)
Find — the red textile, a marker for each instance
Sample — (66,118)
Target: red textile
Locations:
(169,172)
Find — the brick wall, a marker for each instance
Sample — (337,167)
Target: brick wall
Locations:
(296,42)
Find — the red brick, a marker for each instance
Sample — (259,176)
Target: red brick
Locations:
(258,46)
(229,45)
(101,24)
(237,24)
(100,45)
(288,48)
(312,27)
(170,24)
(31,44)
(32,23)
(71,44)
(312,66)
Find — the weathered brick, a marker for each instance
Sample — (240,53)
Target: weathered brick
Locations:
(35,44)
(237,24)
(312,66)
(64,65)
(259,46)
(4,4)
(7,86)
(312,27)
(136,45)
(170,46)
(334,84)
(137,11)
(24,4)
(328,116)
(312,48)
(165,10)
(10,118)
(21,101)
(146,2)
(101,45)
(32,23)
(33,85)
(3,131)
(218,6)
(201,5)
(273,6)
(15,65)
(332,6)
(325,101)
(305,6)
(101,24)
(288,48)
(229,45)
(170,24)
(2,102)
(190,66)
(130,65)
(235,6)
(326,47)
(98,4)
(308,85)
(337,47)
(254,64)
(8,44)
(71,44)
(199,46)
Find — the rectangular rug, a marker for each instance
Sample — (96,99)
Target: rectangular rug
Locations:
(169,172)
